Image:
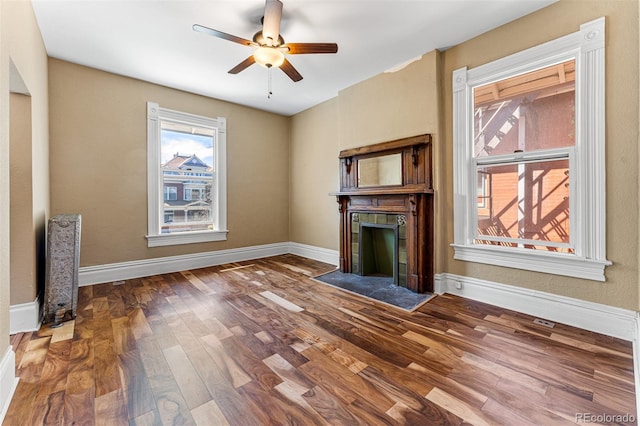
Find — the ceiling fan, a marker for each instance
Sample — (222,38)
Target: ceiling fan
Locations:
(270,47)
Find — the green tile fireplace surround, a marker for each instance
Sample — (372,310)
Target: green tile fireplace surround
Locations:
(379,245)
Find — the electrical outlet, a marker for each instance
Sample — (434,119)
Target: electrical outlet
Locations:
(459,285)
(544,322)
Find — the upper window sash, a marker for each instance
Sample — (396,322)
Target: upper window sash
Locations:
(155,192)
(588,221)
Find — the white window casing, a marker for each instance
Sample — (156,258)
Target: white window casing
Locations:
(587,158)
(155,194)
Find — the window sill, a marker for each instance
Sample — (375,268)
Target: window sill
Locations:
(546,262)
(185,238)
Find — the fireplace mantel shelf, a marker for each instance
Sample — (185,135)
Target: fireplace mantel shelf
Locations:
(402,190)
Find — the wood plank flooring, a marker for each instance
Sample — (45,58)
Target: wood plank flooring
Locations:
(260,343)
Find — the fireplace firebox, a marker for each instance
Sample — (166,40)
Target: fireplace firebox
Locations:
(386,212)
(379,246)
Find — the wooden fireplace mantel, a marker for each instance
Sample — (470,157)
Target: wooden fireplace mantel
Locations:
(409,197)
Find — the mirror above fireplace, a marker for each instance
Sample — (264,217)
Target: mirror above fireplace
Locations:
(380,170)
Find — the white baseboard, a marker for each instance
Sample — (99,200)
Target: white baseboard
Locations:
(88,275)
(596,317)
(143,268)
(316,253)
(8,380)
(24,317)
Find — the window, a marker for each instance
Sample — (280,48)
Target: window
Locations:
(523,137)
(529,158)
(195,193)
(170,193)
(186,177)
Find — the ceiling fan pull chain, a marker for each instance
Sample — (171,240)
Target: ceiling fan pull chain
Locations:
(269,83)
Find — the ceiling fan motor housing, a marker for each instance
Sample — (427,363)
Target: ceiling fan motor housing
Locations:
(263,41)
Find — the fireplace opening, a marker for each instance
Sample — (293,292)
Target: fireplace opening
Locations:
(379,246)
(379,250)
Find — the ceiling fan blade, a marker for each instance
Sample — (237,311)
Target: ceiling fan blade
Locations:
(220,34)
(289,70)
(271,23)
(242,65)
(302,48)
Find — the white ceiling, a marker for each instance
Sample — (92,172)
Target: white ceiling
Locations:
(152,40)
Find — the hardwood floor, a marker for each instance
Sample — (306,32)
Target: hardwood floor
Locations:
(259,342)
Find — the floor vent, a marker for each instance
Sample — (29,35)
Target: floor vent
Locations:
(544,322)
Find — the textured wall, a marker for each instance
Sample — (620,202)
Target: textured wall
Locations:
(314,175)
(390,105)
(23,46)
(23,244)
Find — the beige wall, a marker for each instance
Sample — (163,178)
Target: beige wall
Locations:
(23,244)
(21,43)
(23,46)
(314,175)
(621,287)
(390,105)
(98,164)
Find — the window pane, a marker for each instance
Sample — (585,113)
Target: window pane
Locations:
(524,201)
(187,177)
(527,112)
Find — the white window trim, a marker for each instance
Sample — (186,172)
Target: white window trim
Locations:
(588,220)
(155,193)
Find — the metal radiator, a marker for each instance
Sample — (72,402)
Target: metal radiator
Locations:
(63,261)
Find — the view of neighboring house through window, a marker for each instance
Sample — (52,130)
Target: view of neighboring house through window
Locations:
(186,178)
(523,137)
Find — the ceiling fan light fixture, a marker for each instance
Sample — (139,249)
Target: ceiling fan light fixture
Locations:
(268,57)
